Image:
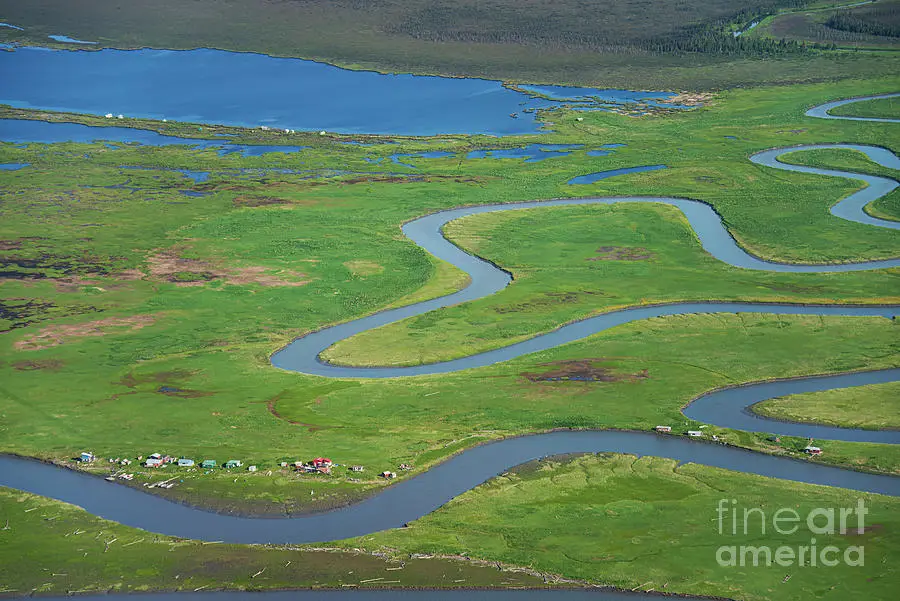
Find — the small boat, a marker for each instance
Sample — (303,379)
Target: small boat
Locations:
(514,115)
(110,478)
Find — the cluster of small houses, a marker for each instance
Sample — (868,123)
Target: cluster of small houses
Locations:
(319,465)
(809,450)
(691,433)
(287,131)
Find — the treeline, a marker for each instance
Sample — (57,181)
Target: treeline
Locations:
(715,42)
(573,30)
(885,22)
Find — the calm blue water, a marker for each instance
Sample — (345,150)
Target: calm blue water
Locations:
(531,153)
(67,39)
(590,178)
(197,176)
(11,26)
(598,153)
(198,86)
(12,166)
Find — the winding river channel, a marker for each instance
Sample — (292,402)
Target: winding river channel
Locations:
(422,494)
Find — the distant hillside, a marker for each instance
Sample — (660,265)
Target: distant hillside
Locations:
(670,43)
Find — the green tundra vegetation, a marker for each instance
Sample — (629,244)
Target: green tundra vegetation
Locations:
(645,524)
(623,43)
(874,407)
(116,283)
(68,551)
(880,107)
(138,318)
(886,207)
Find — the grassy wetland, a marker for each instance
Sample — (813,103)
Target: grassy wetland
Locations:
(139,309)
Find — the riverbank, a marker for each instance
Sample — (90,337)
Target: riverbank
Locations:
(629,504)
(83,554)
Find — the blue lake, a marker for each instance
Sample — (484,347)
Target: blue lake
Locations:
(531,153)
(199,86)
(12,166)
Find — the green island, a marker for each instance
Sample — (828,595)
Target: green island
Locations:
(141,304)
(874,406)
(886,207)
(881,108)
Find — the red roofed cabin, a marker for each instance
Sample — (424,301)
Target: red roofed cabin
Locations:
(322,465)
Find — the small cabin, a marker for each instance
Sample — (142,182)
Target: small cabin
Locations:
(252,468)
(184,462)
(694,433)
(86,457)
(665,429)
(388,475)
(322,462)
(357,468)
(153,462)
(208,463)
(405,467)
(232,463)
(812,451)
(156,456)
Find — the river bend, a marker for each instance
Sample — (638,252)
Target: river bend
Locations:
(422,494)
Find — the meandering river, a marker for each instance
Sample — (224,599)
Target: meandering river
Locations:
(418,496)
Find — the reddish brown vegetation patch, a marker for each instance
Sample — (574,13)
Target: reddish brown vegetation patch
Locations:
(583,370)
(160,377)
(270,405)
(168,265)
(621,253)
(691,98)
(10,244)
(853,531)
(55,335)
(48,364)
